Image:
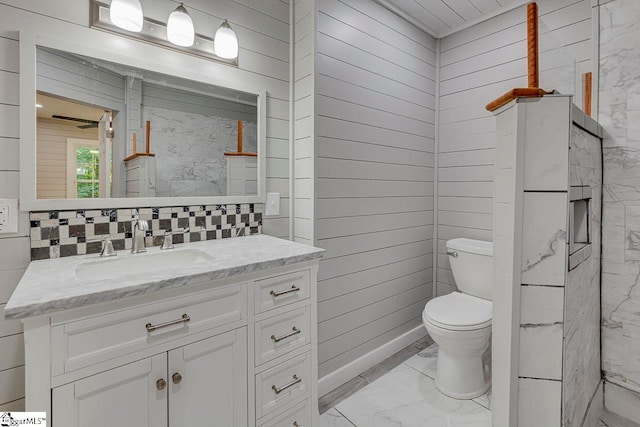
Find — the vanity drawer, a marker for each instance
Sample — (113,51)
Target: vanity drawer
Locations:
(97,339)
(281,334)
(283,383)
(298,416)
(281,290)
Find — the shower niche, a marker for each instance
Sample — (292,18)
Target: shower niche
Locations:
(579,237)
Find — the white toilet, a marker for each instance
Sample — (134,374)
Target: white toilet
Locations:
(460,322)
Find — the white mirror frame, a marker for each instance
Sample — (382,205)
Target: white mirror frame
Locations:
(136,54)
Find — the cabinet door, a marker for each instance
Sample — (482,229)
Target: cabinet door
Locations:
(126,396)
(208,382)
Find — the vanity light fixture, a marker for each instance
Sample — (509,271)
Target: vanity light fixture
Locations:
(180,27)
(225,43)
(177,34)
(127,14)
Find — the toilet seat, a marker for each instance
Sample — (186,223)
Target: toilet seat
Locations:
(458,312)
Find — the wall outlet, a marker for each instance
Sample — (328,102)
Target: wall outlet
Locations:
(8,216)
(273,204)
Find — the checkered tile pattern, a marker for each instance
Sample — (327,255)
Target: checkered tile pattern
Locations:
(57,234)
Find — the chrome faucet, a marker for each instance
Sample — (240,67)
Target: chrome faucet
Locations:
(138,228)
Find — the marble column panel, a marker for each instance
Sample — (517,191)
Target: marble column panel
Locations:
(581,370)
(581,373)
(545,144)
(592,418)
(544,239)
(541,321)
(539,403)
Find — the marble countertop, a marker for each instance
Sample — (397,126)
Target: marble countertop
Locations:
(53,285)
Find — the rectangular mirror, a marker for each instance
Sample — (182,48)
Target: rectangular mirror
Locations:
(109,134)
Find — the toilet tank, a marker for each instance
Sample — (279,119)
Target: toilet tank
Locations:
(472,266)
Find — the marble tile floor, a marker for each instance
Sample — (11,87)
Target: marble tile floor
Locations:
(334,397)
(610,419)
(406,396)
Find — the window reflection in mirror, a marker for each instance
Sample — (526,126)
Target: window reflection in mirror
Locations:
(108,130)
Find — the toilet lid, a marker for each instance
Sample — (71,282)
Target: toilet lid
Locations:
(457,311)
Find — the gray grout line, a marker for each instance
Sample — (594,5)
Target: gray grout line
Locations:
(345,417)
(481,405)
(420,372)
(433,379)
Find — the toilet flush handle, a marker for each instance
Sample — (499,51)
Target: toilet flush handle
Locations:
(453,254)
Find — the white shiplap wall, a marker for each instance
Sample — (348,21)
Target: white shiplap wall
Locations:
(14,249)
(51,155)
(374,121)
(303,78)
(263,32)
(479,64)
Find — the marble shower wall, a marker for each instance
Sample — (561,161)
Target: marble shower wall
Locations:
(619,114)
(189,149)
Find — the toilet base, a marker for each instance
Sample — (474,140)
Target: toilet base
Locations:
(464,361)
(463,377)
(468,396)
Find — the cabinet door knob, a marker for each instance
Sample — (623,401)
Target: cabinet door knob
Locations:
(161,384)
(176,378)
(295,424)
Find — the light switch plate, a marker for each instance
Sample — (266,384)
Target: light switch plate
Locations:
(8,216)
(273,204)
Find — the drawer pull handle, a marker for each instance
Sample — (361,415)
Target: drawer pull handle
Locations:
(294,331)
(294,288)
(184,319)
(295,424)
(176,378)
(161,384)
(295,381)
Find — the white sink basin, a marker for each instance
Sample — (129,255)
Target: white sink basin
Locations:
(136,264)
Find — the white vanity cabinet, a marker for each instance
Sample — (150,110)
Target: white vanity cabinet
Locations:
(239,350)
(204,383)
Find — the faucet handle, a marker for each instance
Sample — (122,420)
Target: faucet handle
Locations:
(107,244)
(141,224)
(167,241)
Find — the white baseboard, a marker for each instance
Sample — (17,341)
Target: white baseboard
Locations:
(351,370)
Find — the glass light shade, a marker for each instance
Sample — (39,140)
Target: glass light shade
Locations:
(126,14)
(225,43)
(180,27)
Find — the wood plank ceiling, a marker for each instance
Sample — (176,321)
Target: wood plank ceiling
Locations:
(443,17)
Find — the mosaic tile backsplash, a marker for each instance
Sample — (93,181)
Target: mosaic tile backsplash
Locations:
(57,234)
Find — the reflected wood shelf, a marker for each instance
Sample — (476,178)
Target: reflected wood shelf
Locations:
(246,154)
(136,155)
